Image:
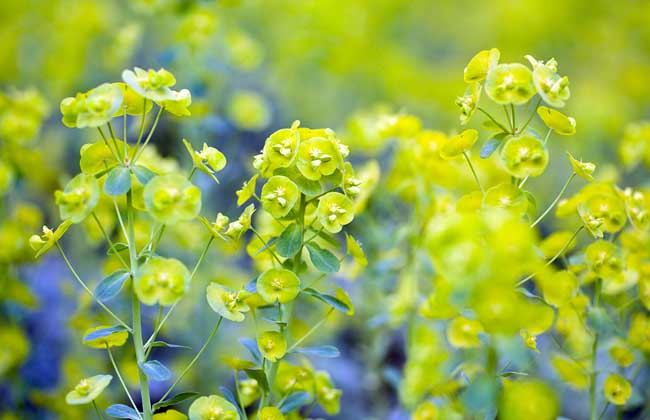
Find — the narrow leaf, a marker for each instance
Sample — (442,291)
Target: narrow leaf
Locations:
(295,401)
(259,376)
(104,332)
(227,393)
(329,299)
(117,247)
(251,346)
(156,371)
(323,260)
(121,411)
(178,398)
(289,242)
(328,352)
(111,285)
(168,345)
(118,181)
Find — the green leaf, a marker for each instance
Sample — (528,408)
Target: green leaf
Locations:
(328,352)
(599,320)
(109,287)
(251,346)
(295,401)
(178,398)
(323,260)
(122,411)
(334,302)
(489,147)
(104,332)
(267,245)
(227,393)
(290,241)
(156,371)
(169,345)
(117,247)
(143,175)
(259,376)
(480,394)
(118,181)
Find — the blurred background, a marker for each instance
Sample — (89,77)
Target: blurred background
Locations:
(254,66)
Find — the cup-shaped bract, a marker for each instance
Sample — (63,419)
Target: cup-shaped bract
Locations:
(270,413)
(528,399)
(334,211)
(88,389)
(552,87)
(272,345)
(151,84)
(161,280)
(459,144)
(172,198)
(99,106)
(582,169)
(524,156)
(557,121)
(132,102)
(469,102)
(327,395)
(213,407)
(278,285)
(79,198)
(226,302)
(318,157)
(281,147)
(510,84)
(506,196)
(463,333)
(114,339)
(178,103)
(279,195)
(237,228)
(478,67)
(607,208)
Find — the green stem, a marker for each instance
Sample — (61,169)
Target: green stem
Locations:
(594,361)
(514,118)
(512,127)
(153,128)
(99,414)
(137,315)
(471,167)
(487,114)
(557,198)
(311,331)
(112,133)
(195,359)
(142,123)
(124,136)
(532,114)
(87,289)
(556,256)
(111,245)
(116,156)
(119,376)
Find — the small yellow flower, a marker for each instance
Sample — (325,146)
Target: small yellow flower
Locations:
(617,389)
(88,389)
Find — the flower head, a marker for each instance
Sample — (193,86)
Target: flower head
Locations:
(478,67)
(459,144)
(79,198)
(582,169)
(510,84)
(468,102)
(161,280)
(279,195)
(272,345)
(278,285)
(209,160)
(172,198)
(42,243)
(213,407)
(226,302)
(151,84)
(237,228)
(93,108)
(506,196)
(318,157)
(88,389)
(524,155)
(552,87)
(334,211)
(617,389)
(281,147)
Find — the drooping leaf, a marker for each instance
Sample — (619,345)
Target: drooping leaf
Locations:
(104,332)
(334,302)
(259,376)
(289,242)
(168,345)
(109,287)
(328,352)
(118,181)
(251,346)
(156,371)
(323,260)
(143,175)
(227,393)
(121,411)
(295,401)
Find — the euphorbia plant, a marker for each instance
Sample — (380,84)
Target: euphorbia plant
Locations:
(307,198)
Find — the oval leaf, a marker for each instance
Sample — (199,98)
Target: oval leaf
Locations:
(118,181)
(290,241)
(323,260)
(143,175)
(121,411)
(111,285)
(104,332)
(295,401)
(156,371)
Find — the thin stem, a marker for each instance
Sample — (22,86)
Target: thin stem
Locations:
(90,292)
(557,198)
(121,221)
(548,134)
(153,128)
(512,127)
(99,414)
(195,359)
(514,118)
(142,123)
(108,239)
(275,257)
(137,315)
(119,376)
(471,167)
(311,331)
(487,114)
(602,413)
(556,256)
(110,130)
(594,360)
(532,114)
(192,172)
(124,136)
(116,156)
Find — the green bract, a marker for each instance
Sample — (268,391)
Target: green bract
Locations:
(270,413)
(209,160)
(88,389)
(334,211)
(151,84)
(99,106)
(161,280)
(178,103)
(553,88)
(279,195)
(97,157)
(609,209)
(212,407)
(506,196)
(273,345)
(617,389)
(237,228)
(582,169)
(134,103)
(41,244)
(459,144)
(247,190)
(281,147)
(478,67)
(115,339)
(226,302)
(278,285)
(327,395)
(468,102)
(524,155)
(79,198)
(510,84)
(172,198)
(557,121)
(317,157)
